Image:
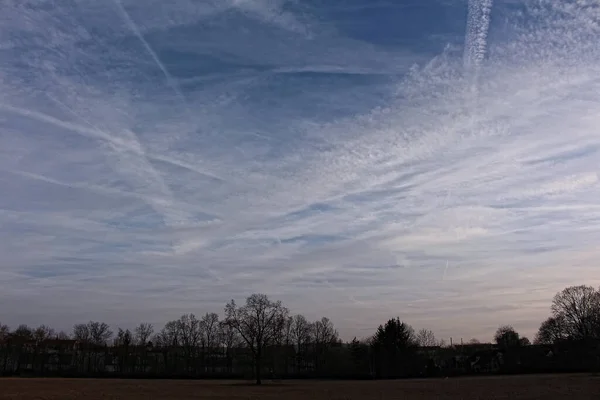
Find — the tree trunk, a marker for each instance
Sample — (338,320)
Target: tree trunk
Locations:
(257,363)
(6,353)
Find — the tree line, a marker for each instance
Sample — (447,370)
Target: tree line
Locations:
(262,338)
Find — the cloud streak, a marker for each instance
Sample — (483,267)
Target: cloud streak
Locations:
(478,24)
(192,152)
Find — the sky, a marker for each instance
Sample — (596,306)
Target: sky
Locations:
(434,160)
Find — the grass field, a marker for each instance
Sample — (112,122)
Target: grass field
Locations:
(547,387)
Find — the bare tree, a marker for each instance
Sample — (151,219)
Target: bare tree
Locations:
(121,345)
(286,341)
(100,332)
(323,332)
(426,338)
(124,338)
(257,322)
(62,335)
(228,336)
(23,332)
(301,336)
(229,339)
(578,307)
(288,334)
(4,331)
(43,332)
(143,332)
(160,339)
(210,329)
(300,331)
(474,341)
(81,333)
(94,332)
(189,331)
(323,335)
(210,333)
(168,336)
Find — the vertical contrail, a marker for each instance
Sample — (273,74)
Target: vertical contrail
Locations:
(478,24)
(445,271)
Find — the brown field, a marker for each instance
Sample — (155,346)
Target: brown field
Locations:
(547,387)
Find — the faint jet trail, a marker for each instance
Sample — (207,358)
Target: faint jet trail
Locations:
(97,134)
(447,197)
(435,207)
(348,296)
(136,167)
(445,271)
(134,28)
(135,154)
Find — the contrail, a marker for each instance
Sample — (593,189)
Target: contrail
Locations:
(445,271)
(43,117)
(348,296)
(447,197)
(97,134)
(135,166)
(478,24)
(134,28)
(140,168)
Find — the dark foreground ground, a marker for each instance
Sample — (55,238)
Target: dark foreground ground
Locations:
(546,387)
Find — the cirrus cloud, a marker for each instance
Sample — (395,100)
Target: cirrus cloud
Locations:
(158,158)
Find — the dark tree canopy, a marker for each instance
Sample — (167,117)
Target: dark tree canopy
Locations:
(506,337)
(395,334)
(551,331)
(391,344)
(261,337)
(97,333)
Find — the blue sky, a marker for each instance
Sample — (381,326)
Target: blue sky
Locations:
(433,159)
